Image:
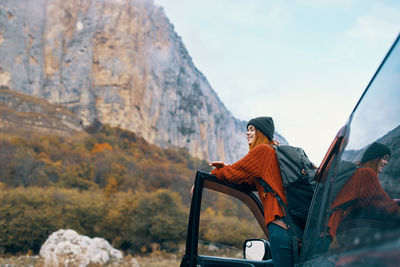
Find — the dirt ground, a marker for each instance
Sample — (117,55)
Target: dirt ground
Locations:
(144,261)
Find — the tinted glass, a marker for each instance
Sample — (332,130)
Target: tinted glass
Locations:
(357,205)
(225,224)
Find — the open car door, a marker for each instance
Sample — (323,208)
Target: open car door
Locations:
(242,193)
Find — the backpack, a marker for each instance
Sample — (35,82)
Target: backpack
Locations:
(297,173)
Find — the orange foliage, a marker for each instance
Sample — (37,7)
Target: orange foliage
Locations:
(45,158)
(109,158)
(101,147)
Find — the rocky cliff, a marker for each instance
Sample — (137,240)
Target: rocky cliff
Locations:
(23,115)
(119,62)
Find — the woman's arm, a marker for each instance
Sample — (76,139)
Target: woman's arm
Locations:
(371,192)
(247,168)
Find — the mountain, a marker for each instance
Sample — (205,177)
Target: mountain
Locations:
(23,115)
(118,62)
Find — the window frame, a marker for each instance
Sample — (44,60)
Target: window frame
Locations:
(241,192)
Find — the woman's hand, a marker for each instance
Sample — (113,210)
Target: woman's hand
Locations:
(217,164)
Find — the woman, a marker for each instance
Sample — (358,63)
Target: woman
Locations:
(362,204)
(261,162)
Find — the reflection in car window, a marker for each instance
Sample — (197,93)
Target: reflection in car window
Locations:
(368,212)
(225,224)
(357,205)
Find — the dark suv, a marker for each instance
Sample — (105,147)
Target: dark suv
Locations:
(371,238)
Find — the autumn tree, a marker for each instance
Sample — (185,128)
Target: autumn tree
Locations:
(159,218)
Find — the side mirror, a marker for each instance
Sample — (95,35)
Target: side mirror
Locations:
(256,249)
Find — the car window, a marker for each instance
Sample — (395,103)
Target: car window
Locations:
(225,224)
(356,206)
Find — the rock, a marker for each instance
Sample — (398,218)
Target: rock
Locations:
(120,63)
(23,115)
(68,248)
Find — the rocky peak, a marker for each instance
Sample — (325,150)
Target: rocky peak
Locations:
(118,62)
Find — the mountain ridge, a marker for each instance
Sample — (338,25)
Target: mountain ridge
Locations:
(120,63)
(23,115)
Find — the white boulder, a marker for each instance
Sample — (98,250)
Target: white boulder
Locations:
(68,248)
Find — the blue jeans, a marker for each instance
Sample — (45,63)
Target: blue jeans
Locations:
(281,243)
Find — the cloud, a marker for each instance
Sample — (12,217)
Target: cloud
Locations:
(379,24)
(324,4)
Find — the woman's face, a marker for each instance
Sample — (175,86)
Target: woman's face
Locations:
(251,134)
(382,163)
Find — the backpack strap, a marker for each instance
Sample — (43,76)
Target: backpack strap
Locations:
(286,217)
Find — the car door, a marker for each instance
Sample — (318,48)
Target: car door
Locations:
(206,253)
(354,218)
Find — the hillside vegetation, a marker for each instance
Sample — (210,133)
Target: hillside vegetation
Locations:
(105,182)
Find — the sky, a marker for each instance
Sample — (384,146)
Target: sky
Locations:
(303,62)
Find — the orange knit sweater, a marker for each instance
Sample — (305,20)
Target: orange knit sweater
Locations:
(261,162)
(364,187)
